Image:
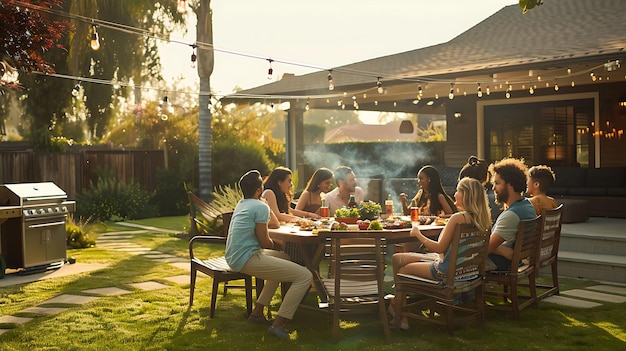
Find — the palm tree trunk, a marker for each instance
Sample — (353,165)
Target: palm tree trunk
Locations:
(205,69)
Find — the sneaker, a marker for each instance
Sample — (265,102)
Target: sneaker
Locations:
(278,332)
(257,319)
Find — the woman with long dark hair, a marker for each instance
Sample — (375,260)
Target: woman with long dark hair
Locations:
(431,198)
(277,192)
(311,198)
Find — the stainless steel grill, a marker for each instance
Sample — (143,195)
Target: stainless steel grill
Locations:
(32,236)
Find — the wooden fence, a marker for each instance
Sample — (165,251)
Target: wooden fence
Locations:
(76,171)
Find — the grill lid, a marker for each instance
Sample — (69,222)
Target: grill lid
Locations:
(25,193)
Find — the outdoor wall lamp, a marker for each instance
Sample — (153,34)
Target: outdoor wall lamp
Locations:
(406,127)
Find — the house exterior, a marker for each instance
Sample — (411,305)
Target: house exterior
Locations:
(548,86)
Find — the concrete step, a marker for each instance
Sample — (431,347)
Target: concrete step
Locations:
(599,267)
(594,242)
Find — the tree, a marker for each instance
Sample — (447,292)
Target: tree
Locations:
(26,34)
(527,5)
(29,38)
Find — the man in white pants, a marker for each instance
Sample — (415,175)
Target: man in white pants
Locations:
(248,250)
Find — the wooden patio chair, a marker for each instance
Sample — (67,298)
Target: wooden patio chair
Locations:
(356,286)
(549,249)
(216,268)
(460,296)
(523,267)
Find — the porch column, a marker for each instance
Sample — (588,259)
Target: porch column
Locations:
(295,140)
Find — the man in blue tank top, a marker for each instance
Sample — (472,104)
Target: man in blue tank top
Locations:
(509,183)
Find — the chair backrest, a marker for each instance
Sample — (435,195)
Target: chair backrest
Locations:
(468,254)
(526,245)
(200,211)
(550,236)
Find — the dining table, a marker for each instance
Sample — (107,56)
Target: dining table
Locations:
(311,244)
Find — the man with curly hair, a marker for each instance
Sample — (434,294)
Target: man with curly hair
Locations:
(509,183)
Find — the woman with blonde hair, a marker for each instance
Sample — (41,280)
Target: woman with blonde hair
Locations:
(471,200)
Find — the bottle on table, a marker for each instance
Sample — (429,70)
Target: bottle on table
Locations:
(389,205)
(352,202)
(324,209)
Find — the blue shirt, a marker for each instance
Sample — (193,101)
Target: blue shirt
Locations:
(508,221)
(242,242)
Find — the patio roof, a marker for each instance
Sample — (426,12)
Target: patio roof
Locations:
(509,46)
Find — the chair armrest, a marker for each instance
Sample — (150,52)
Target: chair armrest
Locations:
(205,239)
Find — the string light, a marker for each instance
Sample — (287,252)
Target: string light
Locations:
(593,76)
(270,71)
(95,39)
(194,57)
(379,86)
(76,90)
(531,90)
(480,92)
(488,91)
(573,84)
(451,94)
(181,6)
(508,94)
(331,86)
(556,85)
(307,107)
(420,91)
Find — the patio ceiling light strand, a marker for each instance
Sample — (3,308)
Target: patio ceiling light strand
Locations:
(609,66)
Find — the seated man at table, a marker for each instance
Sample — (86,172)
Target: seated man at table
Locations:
(346,186)
(540,178)
(248,250)
(509,183)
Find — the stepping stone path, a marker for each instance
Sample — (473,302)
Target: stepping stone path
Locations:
(118,241)
(582,298)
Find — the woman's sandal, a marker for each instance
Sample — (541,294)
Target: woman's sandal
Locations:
(392,312)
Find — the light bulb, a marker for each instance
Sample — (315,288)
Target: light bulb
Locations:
(531,90)
(480,91)
(76,90)
(573,84)
(181,6)
(420,92)
(508,94)
(488,91)
(307,107)
(95,39)
(194,58)
(556,87)
(331,86)
(270,71)
(379,86)
(451,94)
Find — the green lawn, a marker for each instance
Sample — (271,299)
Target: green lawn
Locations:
(162,320)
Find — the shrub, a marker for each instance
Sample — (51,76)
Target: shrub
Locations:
(77,237)
(111,199)
(169,196)
(231,159)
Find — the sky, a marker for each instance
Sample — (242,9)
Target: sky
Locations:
(320,33)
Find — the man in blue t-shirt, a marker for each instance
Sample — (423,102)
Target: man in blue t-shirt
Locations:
(248,250)
(509,183)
